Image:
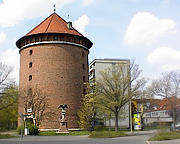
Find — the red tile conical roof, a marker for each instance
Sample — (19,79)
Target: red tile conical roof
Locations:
(53,24)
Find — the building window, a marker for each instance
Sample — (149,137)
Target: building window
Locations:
(83,54)
(55,37)
(30,52)
(49,38)
(31,40)
(84,79)
(83,66)
(30,65)
(36,39)
(30,77)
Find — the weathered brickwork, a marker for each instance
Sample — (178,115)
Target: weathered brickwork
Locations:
(57,70)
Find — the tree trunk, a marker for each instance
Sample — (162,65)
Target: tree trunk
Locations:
(109,123)
(116,121)
(174,119)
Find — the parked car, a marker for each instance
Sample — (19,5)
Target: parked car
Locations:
(177,126)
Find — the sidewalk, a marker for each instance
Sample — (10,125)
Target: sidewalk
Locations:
(176,141)
(149,132)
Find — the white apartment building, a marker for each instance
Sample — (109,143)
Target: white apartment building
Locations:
(156,116)
(98,65)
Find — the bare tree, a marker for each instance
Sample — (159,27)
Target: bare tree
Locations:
(116,86)
(38,102)
(168,86)
(4,83)
(4,75)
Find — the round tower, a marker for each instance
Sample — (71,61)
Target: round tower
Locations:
(54,58)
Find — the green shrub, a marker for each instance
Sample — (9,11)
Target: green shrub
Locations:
(33,130)
(19,130)
(99,128)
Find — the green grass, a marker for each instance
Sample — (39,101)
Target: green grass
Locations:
(106,134)
(2,136)
(72,133)
(160,136)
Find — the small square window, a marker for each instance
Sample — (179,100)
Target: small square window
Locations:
(55,37)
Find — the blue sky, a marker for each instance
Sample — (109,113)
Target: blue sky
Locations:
(147,30)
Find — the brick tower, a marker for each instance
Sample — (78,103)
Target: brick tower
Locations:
(54,58)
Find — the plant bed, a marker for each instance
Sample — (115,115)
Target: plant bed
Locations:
(71,133)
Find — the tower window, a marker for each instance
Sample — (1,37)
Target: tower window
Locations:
(83,66)
(83,54)
(30,77)
(30,52)
(55,37)
(36,39)
(30,65)
(84,79)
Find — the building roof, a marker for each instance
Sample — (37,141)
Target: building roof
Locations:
(109,60)
(53,24)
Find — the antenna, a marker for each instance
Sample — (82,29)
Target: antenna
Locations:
(54,8)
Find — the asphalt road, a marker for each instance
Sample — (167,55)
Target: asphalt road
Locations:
(138,139)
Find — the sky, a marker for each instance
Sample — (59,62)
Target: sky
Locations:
(145,30)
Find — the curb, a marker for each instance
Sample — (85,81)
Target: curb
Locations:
(147,142)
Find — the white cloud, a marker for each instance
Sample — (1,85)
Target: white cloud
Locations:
(11,58)
(2,37)
(167,58)
(81,23)
(146,28)
(87,2)
(14,11)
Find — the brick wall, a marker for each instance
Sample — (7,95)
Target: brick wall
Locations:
(57,70)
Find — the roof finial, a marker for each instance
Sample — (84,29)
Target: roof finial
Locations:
(54,8)
(68,15)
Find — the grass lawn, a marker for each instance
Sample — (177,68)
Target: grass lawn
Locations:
(165,136)
(106,134)
(72,133)
(94,134)
(2,136)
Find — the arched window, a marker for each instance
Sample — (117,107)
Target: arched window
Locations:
(30,77)
(30,52)
(30,65)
